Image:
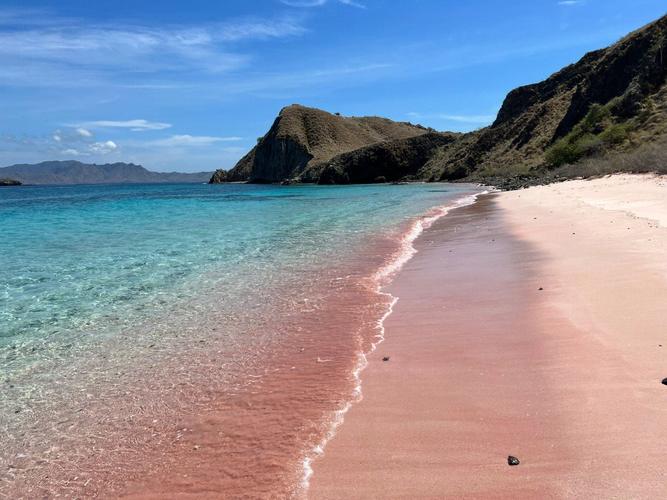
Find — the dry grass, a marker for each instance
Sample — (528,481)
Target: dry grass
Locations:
(647,158)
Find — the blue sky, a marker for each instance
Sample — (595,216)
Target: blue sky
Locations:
(190,86)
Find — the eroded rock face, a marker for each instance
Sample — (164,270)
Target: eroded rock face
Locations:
(218,177)
(390,161)
(279,157)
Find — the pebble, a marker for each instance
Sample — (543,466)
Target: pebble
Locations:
(512,460)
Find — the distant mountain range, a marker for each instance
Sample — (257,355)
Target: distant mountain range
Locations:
(611,103)
(75,172)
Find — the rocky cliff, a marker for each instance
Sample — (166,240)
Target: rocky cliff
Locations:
(612,100)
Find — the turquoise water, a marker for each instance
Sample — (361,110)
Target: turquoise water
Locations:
(123,308)
(88,259)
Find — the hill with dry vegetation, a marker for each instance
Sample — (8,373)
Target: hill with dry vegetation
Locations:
(609,107)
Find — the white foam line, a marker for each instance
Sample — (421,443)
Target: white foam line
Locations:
(381,278)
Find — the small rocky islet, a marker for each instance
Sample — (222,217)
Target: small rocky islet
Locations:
(10,182)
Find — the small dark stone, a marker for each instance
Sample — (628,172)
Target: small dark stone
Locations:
(512,460)
(540,288)
(386,358)
(664,381)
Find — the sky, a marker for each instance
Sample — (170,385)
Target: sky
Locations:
(190,86)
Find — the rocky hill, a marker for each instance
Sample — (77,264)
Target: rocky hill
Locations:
(611,101)
(604,102)
(302,139)
(74,172)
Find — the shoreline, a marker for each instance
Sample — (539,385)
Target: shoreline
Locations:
(525,372)
(381,279)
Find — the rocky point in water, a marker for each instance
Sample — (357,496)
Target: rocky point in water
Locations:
(10,182)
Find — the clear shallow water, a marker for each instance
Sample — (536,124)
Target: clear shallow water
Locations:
(125,309)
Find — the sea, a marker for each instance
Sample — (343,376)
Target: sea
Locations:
(191,339)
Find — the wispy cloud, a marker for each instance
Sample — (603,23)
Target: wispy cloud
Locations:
(192,140)
(137,125)
(470,119)
(68,52)
(320,3)
(352,3)
(571,2)
(304,3)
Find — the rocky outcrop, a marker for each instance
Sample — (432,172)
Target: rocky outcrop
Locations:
(218,177)
(301,141)
(10,182)
(401,159)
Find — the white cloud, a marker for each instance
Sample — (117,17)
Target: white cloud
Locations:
(320,3)
(71,53)
(103,147)
(304,3)
(70,152)
(570,2)
(137,125)
(192,140)
(352,3)
(56,137)
(474,119)
(83,132)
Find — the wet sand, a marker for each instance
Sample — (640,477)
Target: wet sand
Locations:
(532,324)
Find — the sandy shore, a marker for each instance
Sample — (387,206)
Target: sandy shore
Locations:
(532,324)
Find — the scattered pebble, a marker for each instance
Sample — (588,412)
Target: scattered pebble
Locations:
(512,460)
(540,288)
(664,381)
(386,358)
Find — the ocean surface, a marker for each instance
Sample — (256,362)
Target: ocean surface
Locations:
(203,339)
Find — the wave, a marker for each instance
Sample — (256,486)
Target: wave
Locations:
(379,280)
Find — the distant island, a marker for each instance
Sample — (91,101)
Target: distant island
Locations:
(10,182)
(605,113)
(75,172)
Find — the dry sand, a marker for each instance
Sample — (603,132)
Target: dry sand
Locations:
(533,324)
